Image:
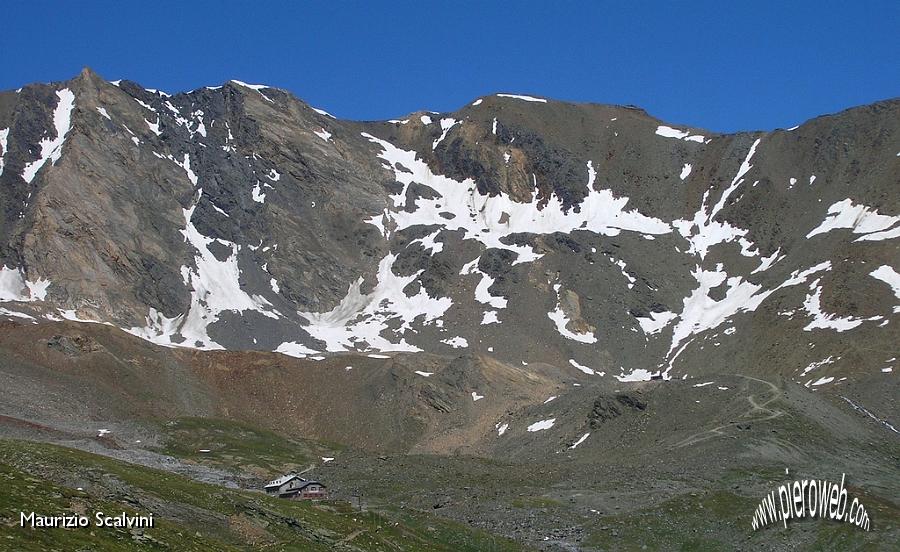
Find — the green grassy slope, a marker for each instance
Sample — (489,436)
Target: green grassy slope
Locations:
(196,516)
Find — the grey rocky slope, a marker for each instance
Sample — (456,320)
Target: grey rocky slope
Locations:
(593,238)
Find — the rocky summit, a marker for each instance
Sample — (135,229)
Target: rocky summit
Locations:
(503,283)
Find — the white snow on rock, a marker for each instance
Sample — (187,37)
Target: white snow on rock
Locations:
(501,429)
(446,125)
(542,425)
(704,384)
(700,312)
(424,374)
(4,135)
(824,320)
(476,396)
(102,111)
(456,342)
(889,276)
(215,288)
(490,317)
(294,349)
(14,314)
(522,97)
(426,120)
(685,171)
(323,134)
(430,242)
(551,398)
(322,112)
(257,194)
(154,127)
(14,286)
(580,440)
(477,102)
(813,365)
(185,165)
(51,148)
(861,220)
(583,368)
(361,318)
(623,266)
(561,321)
(823,381)
(482,293)
(703,231)
(479,216)
(638,374)
(656,321)
(145,105)
(765,263)
(258,87)
(669,132)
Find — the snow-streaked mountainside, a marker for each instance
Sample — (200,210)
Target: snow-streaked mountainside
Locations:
(594,238)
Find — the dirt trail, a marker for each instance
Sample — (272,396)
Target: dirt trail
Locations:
(754,408)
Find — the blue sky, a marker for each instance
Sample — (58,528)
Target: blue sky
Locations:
(722,65)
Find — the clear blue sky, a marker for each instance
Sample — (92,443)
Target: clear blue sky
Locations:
(724,65)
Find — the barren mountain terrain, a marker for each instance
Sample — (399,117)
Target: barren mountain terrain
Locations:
(526,324)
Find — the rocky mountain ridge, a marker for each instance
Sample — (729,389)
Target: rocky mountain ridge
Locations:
(593,238)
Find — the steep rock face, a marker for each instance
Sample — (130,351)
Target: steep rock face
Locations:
(594,238)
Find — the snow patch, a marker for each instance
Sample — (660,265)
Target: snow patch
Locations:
(51,148)
(542,425)
(580,440)
(456,342)
(489,317)
(446,125)
(861,220)
(813,365)
(14,286)
(824,320)
(889,276)
(360,319)
(482,290)
(583,368)
(522,97)
(4,135)
(323,134)
(559,318)
(669,132)
(638,374)
(656,321)
(258,87)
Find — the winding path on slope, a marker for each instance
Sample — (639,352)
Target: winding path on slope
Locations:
(755,407)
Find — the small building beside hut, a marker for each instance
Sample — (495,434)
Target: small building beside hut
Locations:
(294,487)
